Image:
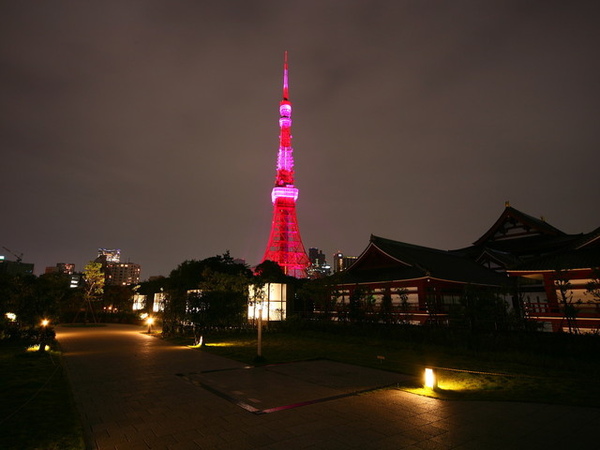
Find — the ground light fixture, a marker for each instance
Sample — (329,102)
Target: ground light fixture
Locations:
(44,335)
(430,379)
(150,321)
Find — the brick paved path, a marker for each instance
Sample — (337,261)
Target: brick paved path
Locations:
(138,392)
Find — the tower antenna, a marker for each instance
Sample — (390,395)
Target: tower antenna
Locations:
(286,95)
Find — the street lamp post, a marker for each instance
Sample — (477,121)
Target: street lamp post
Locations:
(259,350)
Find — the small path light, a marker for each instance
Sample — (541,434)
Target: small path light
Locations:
(430,379)
(150,321)
(44,335)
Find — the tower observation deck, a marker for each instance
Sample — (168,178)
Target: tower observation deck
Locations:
(285,244)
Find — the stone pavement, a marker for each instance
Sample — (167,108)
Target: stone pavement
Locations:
(138,392)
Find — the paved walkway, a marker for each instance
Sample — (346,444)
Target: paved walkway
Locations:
(138,392)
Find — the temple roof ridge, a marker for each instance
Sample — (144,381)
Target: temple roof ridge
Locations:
(379,239)
(540,225)
(416,261)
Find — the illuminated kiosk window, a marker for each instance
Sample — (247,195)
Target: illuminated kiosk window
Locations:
(159,302)
(273,297)
(139,301)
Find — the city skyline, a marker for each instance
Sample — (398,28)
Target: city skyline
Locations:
(150,126)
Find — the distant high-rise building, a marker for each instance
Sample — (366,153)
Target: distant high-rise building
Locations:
(341,262)
(109,255)
(15,267)
(65,268)
(318,264)
(118,273)
(75,280)
(122,274)
(316,256)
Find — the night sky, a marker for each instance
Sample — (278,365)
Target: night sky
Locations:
(152,126)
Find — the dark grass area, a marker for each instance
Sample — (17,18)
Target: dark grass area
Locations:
(37,409)
(529,375)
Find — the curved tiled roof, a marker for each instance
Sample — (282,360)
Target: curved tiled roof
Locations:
(510,213)
(386,259)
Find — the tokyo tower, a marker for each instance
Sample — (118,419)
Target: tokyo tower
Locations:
(285,244)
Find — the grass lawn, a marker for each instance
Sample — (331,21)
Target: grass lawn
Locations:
(36,407)
(507,376)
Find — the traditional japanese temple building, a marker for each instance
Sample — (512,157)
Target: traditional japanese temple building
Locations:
(517,237)
(543,268)
(551,269)
(423,282)
(563,279)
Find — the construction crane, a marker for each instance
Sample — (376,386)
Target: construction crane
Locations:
(19,257)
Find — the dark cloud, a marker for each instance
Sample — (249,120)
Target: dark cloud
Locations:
(151,126)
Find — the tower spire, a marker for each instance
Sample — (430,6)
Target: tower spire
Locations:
(285,78)
(285,244)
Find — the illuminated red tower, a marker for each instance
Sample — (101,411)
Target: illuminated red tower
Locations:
(285,244)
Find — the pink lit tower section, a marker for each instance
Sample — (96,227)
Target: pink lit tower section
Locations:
(285,244)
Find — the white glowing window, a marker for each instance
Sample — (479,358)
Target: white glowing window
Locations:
(269,302)
(159,302)
(139,302)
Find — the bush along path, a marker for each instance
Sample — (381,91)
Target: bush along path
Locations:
(37,408)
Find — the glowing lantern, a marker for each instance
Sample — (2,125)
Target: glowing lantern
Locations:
(150,321)
(430,379)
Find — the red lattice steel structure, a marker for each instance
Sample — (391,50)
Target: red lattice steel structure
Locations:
(285,244)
